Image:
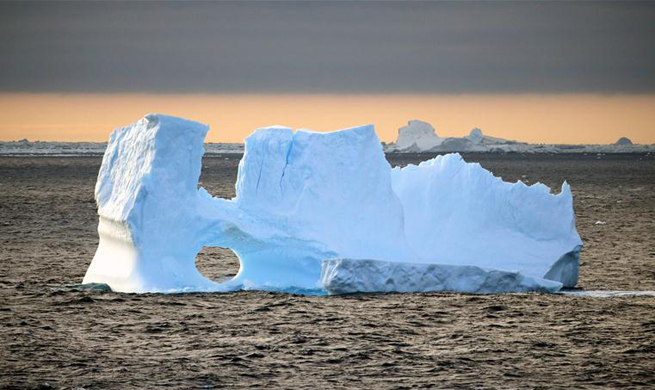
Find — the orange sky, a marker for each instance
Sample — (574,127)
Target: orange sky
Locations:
(552,118)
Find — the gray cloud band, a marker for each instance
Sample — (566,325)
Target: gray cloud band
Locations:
(328,47)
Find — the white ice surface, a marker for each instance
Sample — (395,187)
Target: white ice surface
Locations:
(306,197)
(417,136)
(459,213)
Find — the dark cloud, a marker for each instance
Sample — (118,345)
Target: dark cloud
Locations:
(443,47)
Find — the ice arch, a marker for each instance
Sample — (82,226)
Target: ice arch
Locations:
(304,198)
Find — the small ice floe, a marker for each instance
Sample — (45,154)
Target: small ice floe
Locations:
(607,293)
(600,223)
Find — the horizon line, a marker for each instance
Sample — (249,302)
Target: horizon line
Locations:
(565,119)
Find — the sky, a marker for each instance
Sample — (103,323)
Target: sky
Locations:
(566,72)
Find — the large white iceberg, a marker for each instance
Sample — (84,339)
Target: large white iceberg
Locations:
(305,199)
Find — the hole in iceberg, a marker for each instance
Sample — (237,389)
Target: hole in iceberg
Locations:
(217,264)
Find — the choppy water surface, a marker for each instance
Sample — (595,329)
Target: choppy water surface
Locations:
(55,336)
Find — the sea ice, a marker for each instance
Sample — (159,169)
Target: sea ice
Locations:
(305,199)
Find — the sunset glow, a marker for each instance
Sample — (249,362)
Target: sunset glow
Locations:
(551,118)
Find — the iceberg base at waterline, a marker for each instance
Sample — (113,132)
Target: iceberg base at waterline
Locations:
(307,203)
(347,276)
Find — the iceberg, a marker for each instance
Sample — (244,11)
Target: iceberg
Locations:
(311,208)
(477,138)
(417,136)
(623,141)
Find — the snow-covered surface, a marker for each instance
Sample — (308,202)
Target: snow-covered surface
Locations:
(304,198)
(345,276)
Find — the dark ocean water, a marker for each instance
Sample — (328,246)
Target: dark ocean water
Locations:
(55,336)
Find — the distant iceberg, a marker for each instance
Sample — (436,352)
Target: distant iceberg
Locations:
(623,141)
(313,209)
(417,136)
(420,137)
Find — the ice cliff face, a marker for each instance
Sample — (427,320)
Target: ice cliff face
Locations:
(347,276)
(304,198)
(147,203)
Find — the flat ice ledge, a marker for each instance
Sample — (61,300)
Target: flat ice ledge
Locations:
(346,276)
